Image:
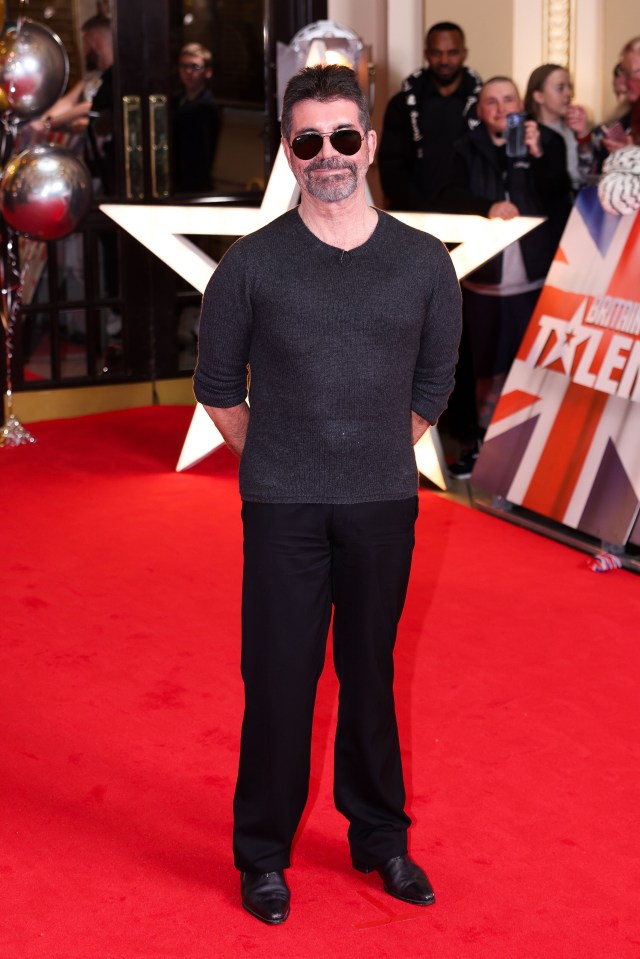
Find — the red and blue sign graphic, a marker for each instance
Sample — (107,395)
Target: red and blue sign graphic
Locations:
(564,440)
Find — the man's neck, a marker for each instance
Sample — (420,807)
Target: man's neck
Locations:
(497,138)
(346,224)
(448,89)
(194,94)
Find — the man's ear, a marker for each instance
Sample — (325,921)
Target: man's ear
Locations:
(372,143)
(287,150)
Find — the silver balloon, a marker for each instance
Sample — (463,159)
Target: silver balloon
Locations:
(34,69)
(44,192)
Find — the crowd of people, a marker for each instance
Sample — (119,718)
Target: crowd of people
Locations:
(445,147)
(451,143)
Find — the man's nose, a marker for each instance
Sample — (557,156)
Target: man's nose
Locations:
(328,150)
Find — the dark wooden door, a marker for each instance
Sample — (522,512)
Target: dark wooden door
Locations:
(100,307)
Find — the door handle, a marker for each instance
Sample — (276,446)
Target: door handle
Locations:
(133,157)
(159,136)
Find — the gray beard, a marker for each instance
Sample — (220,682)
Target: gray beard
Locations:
(335,188)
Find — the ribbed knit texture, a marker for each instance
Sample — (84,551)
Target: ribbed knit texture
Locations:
(341,346)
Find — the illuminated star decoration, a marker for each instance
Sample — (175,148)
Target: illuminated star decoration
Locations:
(161,229)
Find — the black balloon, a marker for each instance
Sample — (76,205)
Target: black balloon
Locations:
(44,192)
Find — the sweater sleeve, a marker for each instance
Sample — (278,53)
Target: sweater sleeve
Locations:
(434,374)
(619,186)
(224,336)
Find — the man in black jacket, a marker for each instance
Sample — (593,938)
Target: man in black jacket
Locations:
(500,296)
(435,107)
(97,46)
(195,122)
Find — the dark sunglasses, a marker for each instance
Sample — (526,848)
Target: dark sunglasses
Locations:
(308,145)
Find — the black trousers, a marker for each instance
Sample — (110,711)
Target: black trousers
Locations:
(496,326)
(299,562)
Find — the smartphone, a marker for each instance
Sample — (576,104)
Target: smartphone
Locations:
(515,135)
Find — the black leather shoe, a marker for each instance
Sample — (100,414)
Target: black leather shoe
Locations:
(265,895)
(403,879)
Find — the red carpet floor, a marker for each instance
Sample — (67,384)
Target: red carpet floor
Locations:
(517,688)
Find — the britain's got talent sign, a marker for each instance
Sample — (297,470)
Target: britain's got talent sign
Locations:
(564,440)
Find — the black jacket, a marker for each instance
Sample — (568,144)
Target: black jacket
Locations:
(413,160)
(195,129)
(482,175)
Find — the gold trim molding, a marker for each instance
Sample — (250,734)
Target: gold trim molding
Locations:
(558,34)
(34,405)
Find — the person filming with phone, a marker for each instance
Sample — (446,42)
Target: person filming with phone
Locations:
(508,166)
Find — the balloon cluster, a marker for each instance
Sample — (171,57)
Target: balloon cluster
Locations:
(45,190)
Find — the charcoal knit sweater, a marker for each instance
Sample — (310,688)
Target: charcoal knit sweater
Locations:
(341,347)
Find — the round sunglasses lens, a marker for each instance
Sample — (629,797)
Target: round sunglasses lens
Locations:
(307,145)
(346,142)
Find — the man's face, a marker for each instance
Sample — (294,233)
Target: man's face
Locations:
(89,51)
(495,101)
(445,53)
(631,73)
(329,176)
(193,72)
(97,47)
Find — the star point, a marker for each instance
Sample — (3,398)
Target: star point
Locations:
(164,231)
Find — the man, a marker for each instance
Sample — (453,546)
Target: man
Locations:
(97,47)
(421,124)
(437,106)
(196,122)
(500,296)
(607,138)
(348,322)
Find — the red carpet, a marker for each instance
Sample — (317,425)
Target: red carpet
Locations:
(120,696)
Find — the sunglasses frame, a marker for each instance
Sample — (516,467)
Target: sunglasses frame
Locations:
(319,138)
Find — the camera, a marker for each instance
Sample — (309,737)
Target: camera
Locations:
(515,135)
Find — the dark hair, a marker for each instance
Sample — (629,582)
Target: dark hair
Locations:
(97,22)
(536,82)
(324,84)
(443,27)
